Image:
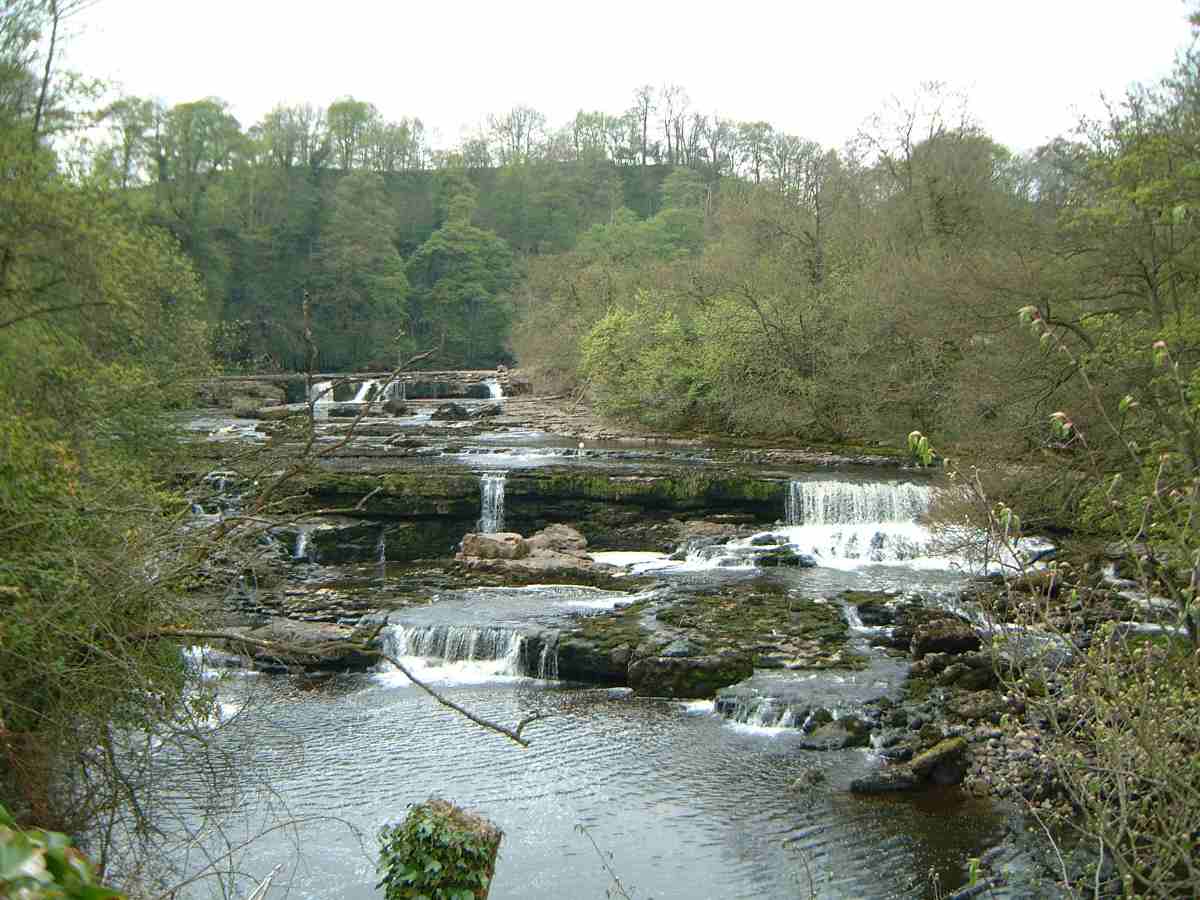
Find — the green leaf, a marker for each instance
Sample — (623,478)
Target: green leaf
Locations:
(15,853)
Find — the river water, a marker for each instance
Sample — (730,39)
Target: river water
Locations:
(679,801)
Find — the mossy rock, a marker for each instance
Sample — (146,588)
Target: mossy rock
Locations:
(691,677)
(760,618)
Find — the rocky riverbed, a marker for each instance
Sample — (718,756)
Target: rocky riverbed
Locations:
(743,607)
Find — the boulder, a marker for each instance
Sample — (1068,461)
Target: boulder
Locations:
(581,660)
(944,763)
(944,636)
(784,557)
(395,407)
(500,545)
(693,677)
(838,734)
(344,411)
(487,411)
(557,537)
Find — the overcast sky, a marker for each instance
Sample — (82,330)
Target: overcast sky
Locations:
(816,69)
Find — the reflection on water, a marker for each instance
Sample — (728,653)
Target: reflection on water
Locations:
(688,805)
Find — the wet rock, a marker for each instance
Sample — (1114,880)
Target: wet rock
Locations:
(487,411)
(839,734)
(767,540)
(499,545)
(887,780)
(908,617)
(347,411)
(582,660)
(695,677)
(943,764)
(944,636)
(395,407)
(785,557)
(452,412)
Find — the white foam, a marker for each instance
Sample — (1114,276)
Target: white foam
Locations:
(441,672)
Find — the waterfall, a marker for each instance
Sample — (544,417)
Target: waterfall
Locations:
(547,667)
(494,390)
(491,507)
(845,503)
(302,550)
(381,555)
(364,392)
(460,644)
(843,522)
(763,712)
(321,392)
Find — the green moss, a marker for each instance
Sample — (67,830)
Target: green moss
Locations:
(917,687)
(609,631)
(760,621)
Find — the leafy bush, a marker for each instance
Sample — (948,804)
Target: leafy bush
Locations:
(438,852)
(43,865)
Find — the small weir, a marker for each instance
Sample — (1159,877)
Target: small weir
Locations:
(845,502)
(491,506)
(504,648)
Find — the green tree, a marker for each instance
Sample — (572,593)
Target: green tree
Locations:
(359,284)
(460,281)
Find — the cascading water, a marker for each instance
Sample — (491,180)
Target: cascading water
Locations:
(844,502)
(466,653)
(303,549)
(366,391)
(857,521)
(321,392)
(494,390)
(491,506)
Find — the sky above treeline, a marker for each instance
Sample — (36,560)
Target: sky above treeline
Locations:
(815,68)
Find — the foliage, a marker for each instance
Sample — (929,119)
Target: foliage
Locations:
(642,365)
(920,453)
(42,864)
(100,323)
(438,852)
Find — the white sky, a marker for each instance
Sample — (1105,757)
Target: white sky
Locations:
(816,68)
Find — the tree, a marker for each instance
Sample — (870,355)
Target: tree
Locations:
(359,281)
(349,123)
(516,134)
(460,278)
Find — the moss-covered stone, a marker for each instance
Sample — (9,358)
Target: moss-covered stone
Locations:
(691,677)
(765,621)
